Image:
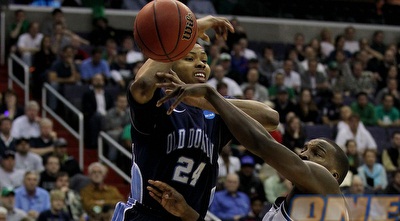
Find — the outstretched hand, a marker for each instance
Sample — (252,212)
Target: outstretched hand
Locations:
(167,78)
(220,25)
(171,200)
(181,92)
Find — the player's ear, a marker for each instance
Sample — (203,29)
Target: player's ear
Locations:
(336,175)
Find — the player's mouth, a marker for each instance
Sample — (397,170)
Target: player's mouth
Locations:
(200,76)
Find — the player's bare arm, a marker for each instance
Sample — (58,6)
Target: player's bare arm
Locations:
(308,177)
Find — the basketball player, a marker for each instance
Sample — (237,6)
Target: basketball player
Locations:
(181,148)
(320,169)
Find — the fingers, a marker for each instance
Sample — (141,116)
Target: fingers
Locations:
(167,97)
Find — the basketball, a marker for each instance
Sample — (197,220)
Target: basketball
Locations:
(165,30)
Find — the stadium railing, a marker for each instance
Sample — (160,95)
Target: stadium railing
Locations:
(112,144)
(14,59)
(78,134)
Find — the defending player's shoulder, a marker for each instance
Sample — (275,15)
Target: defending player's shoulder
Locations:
(320,182)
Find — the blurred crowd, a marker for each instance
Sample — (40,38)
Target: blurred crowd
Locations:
(347,83)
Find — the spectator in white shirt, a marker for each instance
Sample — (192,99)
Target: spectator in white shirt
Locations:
(219,73)
(247,53)
(29,43)
(132,55)
(292,78)
(9,175)
(260,91)
(350,44)
(25,159)
(27,125)
(356,131)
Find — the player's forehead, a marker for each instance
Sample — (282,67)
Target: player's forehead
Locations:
(198,49)
(320,143)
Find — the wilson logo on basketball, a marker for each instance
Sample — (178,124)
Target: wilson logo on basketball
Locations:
(187,34)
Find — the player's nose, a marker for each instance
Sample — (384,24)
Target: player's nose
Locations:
(200,64)
(303,156)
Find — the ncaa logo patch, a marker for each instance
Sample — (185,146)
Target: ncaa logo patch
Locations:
(208,114)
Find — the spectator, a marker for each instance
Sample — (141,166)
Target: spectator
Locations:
(10,107)
(246,52)
(48,24)
(3,213)
(345,114)
(360,80)
(268,65)
(10,176)
(29,43)
(392,89)
(97,193)
(295,135)
(49,176)
(357,187)
(25,159)
(59,38)
(356,132)
(350,44)
(55,212)
(353,156)
(339,48)
(279,79)
(231,203)
(292,78)
(95,104)
(383,67)
(121,71)
(220,75)
(7,200)
(377,43)
(298,45)
(114,121)
(7,142)
(42,61)
(72,202)
(44,144)
(364,109)
(394,186)
(110,52)
(282,104)
(79,53)
(132,55)
(256,210)
(314,79)
(31,198)
(249,182)
(260,91)
(225,60)
(276,186)
(101,32)
(227,162)
(335,78)
(239,62)
(326,42)
(387,115)
(68,163)
(372,173)
(331,111)
(95,65)
(306,109)
(311,55)
(391,155)
(63,71)
(19,26)
(27,125)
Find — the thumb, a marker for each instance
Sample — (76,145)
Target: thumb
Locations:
(205,37)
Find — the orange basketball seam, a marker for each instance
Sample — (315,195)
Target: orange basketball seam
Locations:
(157,31)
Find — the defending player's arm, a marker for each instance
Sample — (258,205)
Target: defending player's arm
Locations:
(309,177)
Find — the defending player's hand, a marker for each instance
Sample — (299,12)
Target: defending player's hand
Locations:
(166,78)
(183,91)
(220,25)
(171,200)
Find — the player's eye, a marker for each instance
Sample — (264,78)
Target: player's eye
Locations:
(204,61)
(188,59)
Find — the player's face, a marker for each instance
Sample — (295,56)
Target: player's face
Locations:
(193,68)
(317,152)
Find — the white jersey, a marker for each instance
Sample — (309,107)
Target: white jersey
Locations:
(278,211)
